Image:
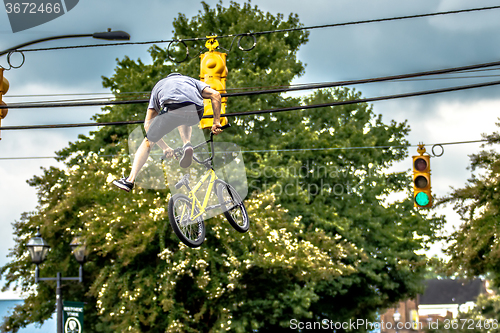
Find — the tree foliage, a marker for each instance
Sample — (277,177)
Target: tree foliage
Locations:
(323,242)
(474,247)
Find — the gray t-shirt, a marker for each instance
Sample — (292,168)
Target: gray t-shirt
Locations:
(176,88)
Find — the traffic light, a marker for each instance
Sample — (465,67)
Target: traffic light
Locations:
(414,320)
(4,87)
(213,71)
(422,179)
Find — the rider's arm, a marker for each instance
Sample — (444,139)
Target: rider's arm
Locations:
(215,98)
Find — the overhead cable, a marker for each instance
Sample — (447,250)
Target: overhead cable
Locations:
(278,150)
(269,91)
(292,108)
(273,31)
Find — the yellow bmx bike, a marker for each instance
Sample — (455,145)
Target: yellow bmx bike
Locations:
(186,212)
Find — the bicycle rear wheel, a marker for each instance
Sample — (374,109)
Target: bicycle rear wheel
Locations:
(191,233)
(233,207)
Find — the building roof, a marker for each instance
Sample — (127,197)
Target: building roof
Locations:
(447,291)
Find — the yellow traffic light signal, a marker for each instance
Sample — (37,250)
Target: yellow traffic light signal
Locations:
(4,87)
(213,71)
(422,179)
(414,320)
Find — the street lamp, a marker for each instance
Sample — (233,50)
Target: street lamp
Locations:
(108,35)
(38,249)
(397,317)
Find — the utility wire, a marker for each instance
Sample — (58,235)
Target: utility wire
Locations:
(111,98)
(147,93)
(80,94)
(272,91)
(279,150)
(274,31)
(292,108)
(35,103)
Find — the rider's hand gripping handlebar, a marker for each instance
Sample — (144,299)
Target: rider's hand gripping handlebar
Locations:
(222,128)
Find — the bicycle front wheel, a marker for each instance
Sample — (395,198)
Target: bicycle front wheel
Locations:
(233,207)
(190,232)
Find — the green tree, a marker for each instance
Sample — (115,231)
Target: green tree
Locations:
(474,248)
(323,242)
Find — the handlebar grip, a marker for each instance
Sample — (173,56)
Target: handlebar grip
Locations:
(226,126)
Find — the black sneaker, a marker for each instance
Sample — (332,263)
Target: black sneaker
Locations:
(187,156)
(123,184)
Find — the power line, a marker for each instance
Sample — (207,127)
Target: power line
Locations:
(292,108)
(273,31)
(36,103)
(147,93)
(366,100)
(282,150)
(375,20)
(272,91)
(80,94)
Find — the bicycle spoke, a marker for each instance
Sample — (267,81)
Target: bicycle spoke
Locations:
(187,226)
(234,209)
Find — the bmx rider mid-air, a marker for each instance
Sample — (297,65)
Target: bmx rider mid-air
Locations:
(176,102)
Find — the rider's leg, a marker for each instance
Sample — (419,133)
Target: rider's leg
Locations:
(141,157)
(187,155)
(185,132)
(144,149)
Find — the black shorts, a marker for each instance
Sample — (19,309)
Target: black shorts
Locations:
(173,116)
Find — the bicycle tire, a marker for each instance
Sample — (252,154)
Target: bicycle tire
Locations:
(194,229)
(239,219)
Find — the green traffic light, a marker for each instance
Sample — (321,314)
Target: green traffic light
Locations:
(422,199)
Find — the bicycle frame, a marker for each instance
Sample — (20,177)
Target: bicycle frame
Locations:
(209,175)
(192,194)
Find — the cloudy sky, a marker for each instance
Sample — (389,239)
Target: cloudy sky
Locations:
(340,53)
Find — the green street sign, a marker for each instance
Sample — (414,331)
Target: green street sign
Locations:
(73,317)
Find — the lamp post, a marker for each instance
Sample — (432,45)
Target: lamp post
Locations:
(38,249)
(108,35)
(397,317)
